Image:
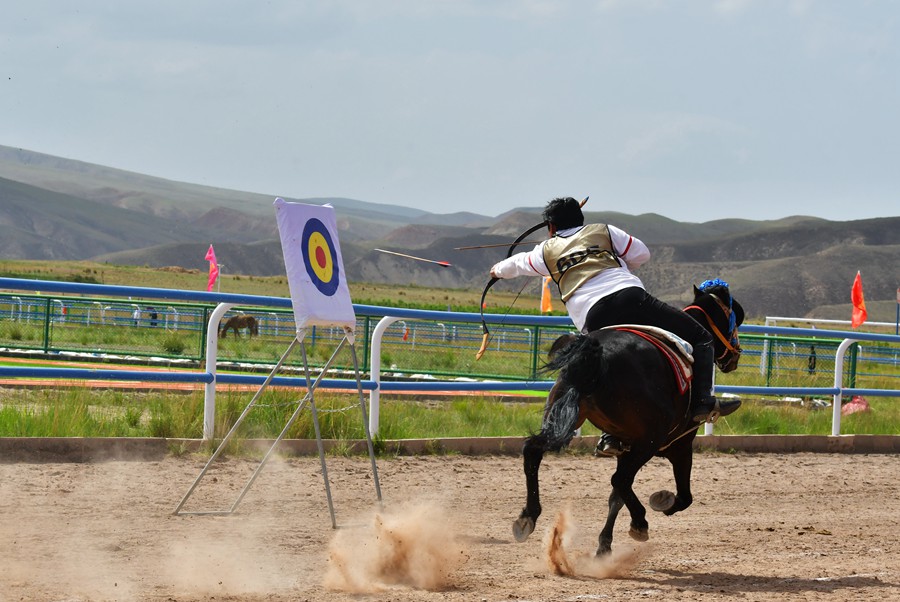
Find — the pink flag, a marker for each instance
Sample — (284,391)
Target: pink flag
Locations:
(859,314)
(213,268)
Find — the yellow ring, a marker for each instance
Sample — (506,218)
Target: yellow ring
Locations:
(317,242)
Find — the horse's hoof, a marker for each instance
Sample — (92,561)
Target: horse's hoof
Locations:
(662,501)
(522,528)
(642,534)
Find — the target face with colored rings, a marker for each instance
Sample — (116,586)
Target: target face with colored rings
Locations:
(320,257)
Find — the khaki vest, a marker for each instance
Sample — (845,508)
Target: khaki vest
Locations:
(575,259)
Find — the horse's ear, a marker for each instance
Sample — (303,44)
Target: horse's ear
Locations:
(697,292)
(738,310)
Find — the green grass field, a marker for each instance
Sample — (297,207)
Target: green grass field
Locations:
(80,412)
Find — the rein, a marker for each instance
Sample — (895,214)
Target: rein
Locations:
(684,434)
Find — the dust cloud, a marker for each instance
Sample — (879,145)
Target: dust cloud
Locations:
(233,562)
(413,546)
(561,561)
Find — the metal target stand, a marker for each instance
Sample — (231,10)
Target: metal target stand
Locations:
(320,295)
(308,398)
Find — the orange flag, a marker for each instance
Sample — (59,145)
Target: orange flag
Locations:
(546,305)
(213,268)
(859,303)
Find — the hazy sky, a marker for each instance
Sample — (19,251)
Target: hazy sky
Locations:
(696,110)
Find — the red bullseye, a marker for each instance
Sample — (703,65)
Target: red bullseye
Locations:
(320,257)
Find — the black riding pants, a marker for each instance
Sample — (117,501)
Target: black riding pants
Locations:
(634,305)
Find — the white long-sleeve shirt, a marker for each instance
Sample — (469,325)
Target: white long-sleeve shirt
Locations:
(632,252)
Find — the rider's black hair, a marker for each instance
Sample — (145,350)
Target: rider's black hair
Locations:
(564,213)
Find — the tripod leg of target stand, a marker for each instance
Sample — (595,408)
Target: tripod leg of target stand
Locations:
(234,428)
(310,388)
(315,416)
(365,419)
(265,459)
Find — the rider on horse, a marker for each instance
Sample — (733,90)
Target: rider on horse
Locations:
(592,266)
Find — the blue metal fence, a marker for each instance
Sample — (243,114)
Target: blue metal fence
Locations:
(446,328)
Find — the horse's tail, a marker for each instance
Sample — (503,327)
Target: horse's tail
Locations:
(558,428)
(580,363)
(579,359)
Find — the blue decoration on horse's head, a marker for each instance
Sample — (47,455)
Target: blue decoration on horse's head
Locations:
(711,283)
(718,283)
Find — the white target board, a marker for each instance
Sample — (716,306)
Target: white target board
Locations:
(314,265)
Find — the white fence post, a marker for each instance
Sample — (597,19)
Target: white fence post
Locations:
(212,350)
(375,371)
(838,381)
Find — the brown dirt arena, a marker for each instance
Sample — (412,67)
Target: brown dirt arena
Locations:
(763,527)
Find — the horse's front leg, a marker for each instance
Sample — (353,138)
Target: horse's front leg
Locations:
(533,453)
(681,456)
(606,534)
(623,494)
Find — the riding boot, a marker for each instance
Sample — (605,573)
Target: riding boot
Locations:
(610,447)
(704,405)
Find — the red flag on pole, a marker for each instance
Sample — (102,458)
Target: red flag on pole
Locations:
(213,268)
(859,303)
(546,305)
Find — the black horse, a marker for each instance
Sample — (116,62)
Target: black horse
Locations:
(624,385)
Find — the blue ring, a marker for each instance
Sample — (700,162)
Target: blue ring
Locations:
(326,288)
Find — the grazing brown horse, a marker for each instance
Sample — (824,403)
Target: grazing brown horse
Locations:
(236,323)
(623,384)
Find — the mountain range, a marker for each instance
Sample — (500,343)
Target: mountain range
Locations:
(64,209)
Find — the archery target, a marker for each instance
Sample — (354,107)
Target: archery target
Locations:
(315,272)
(320,257)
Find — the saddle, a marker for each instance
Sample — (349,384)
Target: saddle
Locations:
(675,349)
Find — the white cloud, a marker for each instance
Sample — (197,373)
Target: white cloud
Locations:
(666,134)
(641,5)
(731,7)
(473,100)
(801,8)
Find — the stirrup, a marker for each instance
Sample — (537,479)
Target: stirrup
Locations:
(716,411)
(610,447)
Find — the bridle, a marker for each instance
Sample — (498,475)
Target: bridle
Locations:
(731,342)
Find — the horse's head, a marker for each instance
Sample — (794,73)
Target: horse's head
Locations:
(721,314)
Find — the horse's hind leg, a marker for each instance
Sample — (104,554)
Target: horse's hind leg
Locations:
(533,453)
(561,418)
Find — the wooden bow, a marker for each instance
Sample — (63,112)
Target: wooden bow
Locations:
(486,335)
